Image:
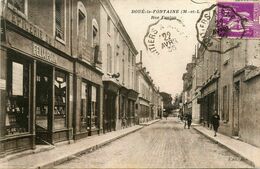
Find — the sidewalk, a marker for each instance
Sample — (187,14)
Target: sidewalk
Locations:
(66,152)
(149,122)
(248,152)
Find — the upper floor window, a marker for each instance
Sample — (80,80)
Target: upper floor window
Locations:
(108,24)
(109,58)
(133,59)
(18,5)
(82,20)
(129,55)
(60,19)
(95,32)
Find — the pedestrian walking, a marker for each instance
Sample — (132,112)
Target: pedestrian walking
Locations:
(215,122)
(189,120)
(185,120)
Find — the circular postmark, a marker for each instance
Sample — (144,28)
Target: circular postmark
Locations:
(162,36)
(217,22)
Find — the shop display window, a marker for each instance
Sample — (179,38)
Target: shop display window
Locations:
(94,117)
(17,100)
(60,105)
(88,116)
(84,116)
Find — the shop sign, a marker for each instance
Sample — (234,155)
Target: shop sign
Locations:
(28,27)
(44,53)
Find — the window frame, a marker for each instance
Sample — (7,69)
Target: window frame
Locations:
(82,9)
(63,41)
(25,14)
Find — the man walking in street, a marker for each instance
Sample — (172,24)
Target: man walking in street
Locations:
(215,122)
(189,120)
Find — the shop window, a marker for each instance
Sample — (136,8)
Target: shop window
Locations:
(84,114)
(94,108)
(20,6)
(17,101)
(60,105)
(60,19)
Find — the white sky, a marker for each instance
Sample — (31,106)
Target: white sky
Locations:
(167,68)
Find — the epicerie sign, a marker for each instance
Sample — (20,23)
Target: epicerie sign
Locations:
(44,54)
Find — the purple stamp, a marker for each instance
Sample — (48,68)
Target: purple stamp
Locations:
(238,19)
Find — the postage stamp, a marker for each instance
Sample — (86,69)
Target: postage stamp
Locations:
(239,20)
(162,35)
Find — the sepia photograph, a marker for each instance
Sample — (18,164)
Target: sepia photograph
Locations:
(129,84)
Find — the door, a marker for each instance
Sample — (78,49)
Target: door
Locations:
(44,106)
(236,108)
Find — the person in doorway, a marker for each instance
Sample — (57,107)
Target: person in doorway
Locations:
(189,120)
(215,122)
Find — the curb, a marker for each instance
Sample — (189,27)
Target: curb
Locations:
(148,124)
(248,161)
(84,151)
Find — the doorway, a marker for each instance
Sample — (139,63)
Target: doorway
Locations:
(236,108)
(43,109)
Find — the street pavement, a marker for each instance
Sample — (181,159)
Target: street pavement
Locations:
(165,144)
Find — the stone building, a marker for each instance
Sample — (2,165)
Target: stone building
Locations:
(85,48)
(36,74)
(147,105)
(231,86)
(187,89)
(119,58)
(52,80)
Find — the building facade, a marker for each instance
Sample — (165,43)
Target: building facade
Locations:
(88,86)
(149,102)
(36,74)
(230,83)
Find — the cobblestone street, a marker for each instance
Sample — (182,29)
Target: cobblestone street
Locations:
(164,144)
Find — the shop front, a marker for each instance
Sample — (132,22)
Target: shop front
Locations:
(111,90)
(35,90)
(88,86)
(208,101)
(123,107)
(131,114)
(143,110)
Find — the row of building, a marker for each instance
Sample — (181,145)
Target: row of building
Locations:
(227,83)
(68,71)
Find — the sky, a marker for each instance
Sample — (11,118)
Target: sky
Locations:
(168,65)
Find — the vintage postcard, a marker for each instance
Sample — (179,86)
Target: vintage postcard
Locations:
(130,84)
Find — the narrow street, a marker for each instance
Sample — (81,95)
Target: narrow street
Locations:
(164,144)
